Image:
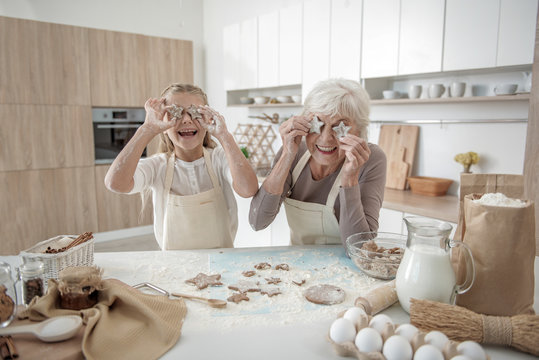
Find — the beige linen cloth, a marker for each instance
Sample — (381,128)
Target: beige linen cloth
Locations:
(124,324)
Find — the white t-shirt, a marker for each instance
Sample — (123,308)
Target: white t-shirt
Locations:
(189,178)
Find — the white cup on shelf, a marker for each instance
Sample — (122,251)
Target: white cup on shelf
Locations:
(414,91)
(436,90)
(457,89)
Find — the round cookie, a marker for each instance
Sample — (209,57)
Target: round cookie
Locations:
(324,294)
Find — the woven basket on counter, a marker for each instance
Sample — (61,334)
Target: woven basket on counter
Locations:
(80,255)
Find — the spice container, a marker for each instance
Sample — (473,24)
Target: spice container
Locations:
(31,275)
(8,295)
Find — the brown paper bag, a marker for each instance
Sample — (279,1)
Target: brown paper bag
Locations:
(502,241)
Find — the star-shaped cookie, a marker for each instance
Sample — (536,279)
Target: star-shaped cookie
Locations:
(175,111)
(341,129)
(202,281)
(245,286)
(271,292)
(316,124)
(237,297)
(273,280)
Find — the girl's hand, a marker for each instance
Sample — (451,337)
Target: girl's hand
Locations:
(357,153)
(212,121)
(292,131)
(155,116)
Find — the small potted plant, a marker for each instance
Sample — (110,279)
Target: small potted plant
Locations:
(467,160)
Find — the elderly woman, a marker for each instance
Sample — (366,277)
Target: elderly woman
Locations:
(332,184)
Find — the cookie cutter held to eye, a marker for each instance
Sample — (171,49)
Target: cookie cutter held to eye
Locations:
(341,130)
(316,124)
(175,111)
(193,112)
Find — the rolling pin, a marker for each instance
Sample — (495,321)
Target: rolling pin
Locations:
(378,299)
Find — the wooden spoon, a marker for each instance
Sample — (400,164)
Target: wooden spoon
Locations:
(216,303)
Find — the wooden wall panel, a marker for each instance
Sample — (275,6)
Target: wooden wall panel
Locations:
(45,137)
(118,211)
(43,63)
(41,204)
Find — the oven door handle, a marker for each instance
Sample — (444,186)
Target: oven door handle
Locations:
(119,126)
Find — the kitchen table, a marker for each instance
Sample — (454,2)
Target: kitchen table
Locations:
(284,326)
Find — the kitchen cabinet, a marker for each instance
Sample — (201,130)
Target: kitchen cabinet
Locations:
(316,30)
(268,50)
(345,41)
(290,44)
(248,53)
(231,56)
(380,38)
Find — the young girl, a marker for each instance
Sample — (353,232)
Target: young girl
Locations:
(191,179)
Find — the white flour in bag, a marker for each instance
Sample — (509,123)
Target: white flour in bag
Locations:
(499,199)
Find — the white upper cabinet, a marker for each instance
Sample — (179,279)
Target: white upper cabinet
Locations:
(380,38)
(421,36)
(268,50)
(471,34)
(315,43)
(517,32)
(248,53)
(290,48)
(231,56)
(345,43)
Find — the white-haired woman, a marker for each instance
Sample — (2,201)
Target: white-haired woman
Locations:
(332,184)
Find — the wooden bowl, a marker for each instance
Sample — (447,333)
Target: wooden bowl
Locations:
(429,186)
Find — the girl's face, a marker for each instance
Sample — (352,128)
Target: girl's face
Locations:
(187,134)
(325,147)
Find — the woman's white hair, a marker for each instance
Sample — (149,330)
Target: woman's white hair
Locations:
(340,97)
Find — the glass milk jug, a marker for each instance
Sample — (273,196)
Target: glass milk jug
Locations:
(8,295)
(425,271)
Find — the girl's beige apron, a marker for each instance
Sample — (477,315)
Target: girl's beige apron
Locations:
(312,223)
(198,221)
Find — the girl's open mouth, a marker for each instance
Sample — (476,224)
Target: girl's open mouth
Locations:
(326,150)
(187,133)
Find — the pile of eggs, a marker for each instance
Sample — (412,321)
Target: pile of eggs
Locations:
(396,342)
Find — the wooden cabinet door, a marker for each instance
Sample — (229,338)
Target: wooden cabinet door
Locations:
(41,204)
(249,53)
(290,48)
(118,211)
(268,50)
(231,56)
(516,34)
(380,38)
(45,137)
(43,63)
(471,34)
(421,36)
(345,42)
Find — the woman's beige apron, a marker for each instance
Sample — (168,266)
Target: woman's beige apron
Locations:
(312,223)
(198,221)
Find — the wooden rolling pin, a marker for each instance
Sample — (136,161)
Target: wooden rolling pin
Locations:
(378,299)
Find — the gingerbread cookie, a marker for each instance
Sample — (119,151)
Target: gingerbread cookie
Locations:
(249,273)
(245,286)
(325,294)
(202,281)
(263,266)
(298,282)
(237,297)
(284,267)
(271,292)
(273,280)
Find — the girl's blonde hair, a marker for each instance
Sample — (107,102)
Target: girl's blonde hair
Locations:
(340,97)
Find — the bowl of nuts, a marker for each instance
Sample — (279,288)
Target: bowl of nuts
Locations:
(377,254)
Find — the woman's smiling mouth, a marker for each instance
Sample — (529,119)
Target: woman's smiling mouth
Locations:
(326,149)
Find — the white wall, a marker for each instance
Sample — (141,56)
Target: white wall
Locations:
(176,19)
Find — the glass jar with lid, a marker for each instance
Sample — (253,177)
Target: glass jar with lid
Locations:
(31,275)
(8,295)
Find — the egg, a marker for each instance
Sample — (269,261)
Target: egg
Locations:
(428,352)
(379,322)
(368,340)
(436,338)
(460,357)
(472,350)
(407,330)
(354,314)
(342,330)
(397,347)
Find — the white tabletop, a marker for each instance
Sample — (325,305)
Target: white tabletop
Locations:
(285,326)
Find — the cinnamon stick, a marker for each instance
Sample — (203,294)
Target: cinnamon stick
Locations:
(11,347)
(4,350)
(79,240)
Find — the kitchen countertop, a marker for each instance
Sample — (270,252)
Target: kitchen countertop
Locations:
(281,327)
(439,207)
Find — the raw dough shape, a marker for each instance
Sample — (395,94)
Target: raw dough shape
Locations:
(316,124)
(193,112)
(299,282)
(245,286)
(325,294)
(263,266)
(341,129)
(249,273)
(282,267)
(271,291)
(176,111)
(202,281)
(273,280)
(237,297)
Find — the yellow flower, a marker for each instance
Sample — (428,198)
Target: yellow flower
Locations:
(467,159)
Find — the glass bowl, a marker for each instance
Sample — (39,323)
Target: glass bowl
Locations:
(377,254)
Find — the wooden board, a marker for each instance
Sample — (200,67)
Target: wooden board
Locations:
(395,137)
(397,170)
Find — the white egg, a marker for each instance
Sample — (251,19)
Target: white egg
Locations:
(428,352)
(436,338)
(397,347)
(379,322)
(368,340)
(472,350)
(342,330)
(460,357)
(407,330)
(354,314)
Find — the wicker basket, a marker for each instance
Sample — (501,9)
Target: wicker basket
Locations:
(80,255)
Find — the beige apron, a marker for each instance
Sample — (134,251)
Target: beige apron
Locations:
(198,221)
(312,223)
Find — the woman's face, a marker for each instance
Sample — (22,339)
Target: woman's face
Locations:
(324,147)
(187,134)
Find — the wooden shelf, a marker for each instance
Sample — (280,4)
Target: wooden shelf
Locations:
(516,97)
(266,105)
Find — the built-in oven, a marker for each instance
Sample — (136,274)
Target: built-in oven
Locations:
(113,128)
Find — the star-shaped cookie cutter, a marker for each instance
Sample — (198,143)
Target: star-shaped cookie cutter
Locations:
(193,112)
(175,111)
(316,124)
(341,130)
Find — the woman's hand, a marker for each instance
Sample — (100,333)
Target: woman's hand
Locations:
(212,121)
(155,116)
(291,132)
(357,152)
